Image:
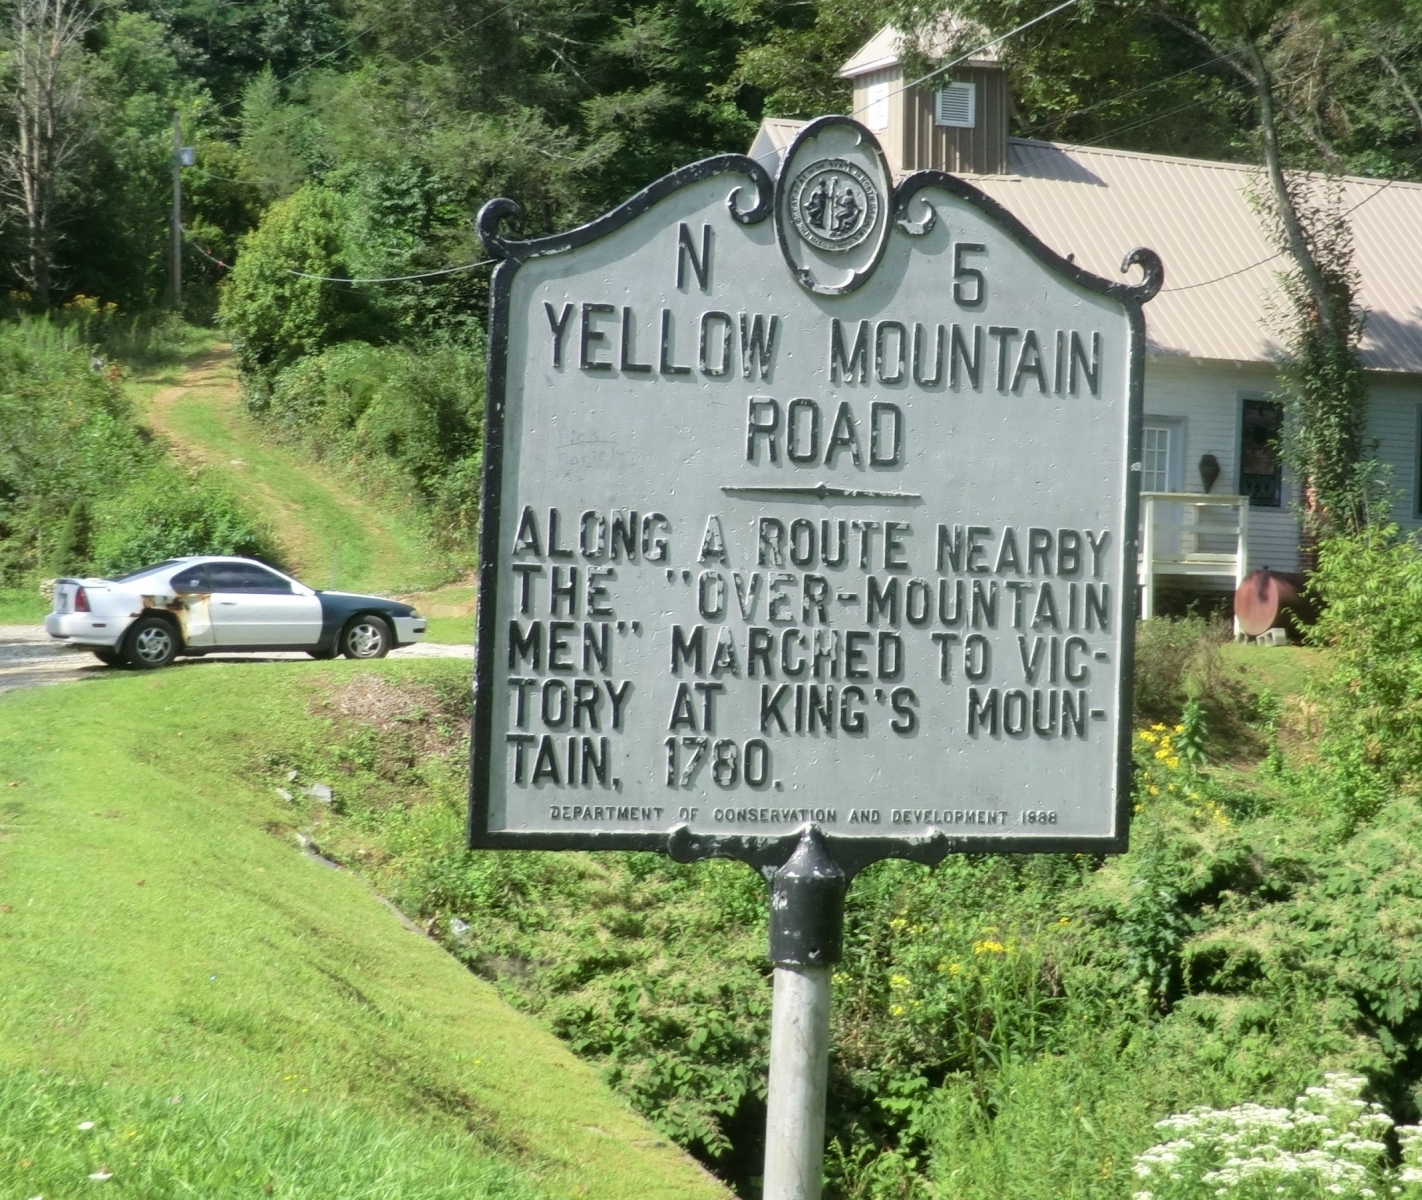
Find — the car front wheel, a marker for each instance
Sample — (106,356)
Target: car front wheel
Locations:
(152,642)
(110,658)
(366,637)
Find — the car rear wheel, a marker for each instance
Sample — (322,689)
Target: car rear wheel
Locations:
(366,637)
(151,642)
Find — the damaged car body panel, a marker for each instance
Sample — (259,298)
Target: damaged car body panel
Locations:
(223,603)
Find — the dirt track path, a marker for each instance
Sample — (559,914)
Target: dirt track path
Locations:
(331,537)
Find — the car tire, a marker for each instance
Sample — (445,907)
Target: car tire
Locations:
(321,655)
(151,642)
(110,658)
(366,638)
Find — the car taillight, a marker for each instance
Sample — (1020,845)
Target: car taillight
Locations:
(81,601)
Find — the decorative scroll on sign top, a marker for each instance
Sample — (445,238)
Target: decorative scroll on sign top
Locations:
(806,500)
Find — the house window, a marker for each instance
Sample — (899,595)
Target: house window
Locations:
(876,107)
(1162,453)
(956,105)
(1261,469)
(1417,469)
(1155,459)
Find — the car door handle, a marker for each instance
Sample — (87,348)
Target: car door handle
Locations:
(227,604)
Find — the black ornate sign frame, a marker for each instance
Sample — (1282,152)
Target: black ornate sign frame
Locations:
(754,183)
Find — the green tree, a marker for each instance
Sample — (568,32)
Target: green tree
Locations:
(274,308)
(116,243)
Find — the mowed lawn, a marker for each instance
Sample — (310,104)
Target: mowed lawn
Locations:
(191,1006)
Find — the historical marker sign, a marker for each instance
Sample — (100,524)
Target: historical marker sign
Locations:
(806,501)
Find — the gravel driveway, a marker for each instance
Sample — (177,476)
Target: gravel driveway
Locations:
(30,658)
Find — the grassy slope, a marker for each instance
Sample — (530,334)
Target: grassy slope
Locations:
(21,606)
(332,537)
(160,933)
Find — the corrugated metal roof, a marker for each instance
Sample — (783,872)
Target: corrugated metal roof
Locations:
(772,139)
(1221,271)
(885,48)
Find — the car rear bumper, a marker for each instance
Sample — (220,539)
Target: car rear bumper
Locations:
(409,629)
(85,629)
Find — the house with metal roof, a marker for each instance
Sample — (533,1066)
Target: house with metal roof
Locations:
(1217,500)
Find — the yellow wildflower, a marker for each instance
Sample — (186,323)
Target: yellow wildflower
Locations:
(987,946)
(896,1010)
(898,982)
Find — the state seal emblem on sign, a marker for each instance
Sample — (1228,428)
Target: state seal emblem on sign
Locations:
(834,205)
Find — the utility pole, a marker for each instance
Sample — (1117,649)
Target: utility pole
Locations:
(175,268)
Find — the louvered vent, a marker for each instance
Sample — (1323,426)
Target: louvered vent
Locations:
(957,105)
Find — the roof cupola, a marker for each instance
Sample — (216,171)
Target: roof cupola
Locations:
(956,121)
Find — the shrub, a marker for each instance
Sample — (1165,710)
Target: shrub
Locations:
(1166,652)
(275,316)
(82,486)
(1179,667)
(1371,588)
(168,513)
(67,439)
(1331,1142)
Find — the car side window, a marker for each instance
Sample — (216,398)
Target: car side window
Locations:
(246,577)
(189,581)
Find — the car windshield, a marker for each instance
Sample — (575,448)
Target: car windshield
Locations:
(167,562)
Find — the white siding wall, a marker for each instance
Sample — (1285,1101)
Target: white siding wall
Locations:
(1394,413)
(1207,396)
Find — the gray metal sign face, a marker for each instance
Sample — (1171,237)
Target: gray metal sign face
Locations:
(806,502)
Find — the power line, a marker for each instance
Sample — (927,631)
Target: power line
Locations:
(1157,83)
(350,41)
(228,178)
(192,241)
(188,234)
(296,112)
(1051,12)
(1129,125)
(394,278)
(948,66)
(1057,120)
(1373,195)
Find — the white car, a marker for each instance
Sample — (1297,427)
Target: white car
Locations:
(210,604)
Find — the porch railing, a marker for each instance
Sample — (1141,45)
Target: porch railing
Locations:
(1191,534)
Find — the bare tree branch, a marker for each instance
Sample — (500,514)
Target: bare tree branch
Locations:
(1294,237)
(44,93)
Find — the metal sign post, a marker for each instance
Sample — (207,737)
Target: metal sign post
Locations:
(806,936)
(808,539)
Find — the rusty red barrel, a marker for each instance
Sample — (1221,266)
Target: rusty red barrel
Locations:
(1263,597)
